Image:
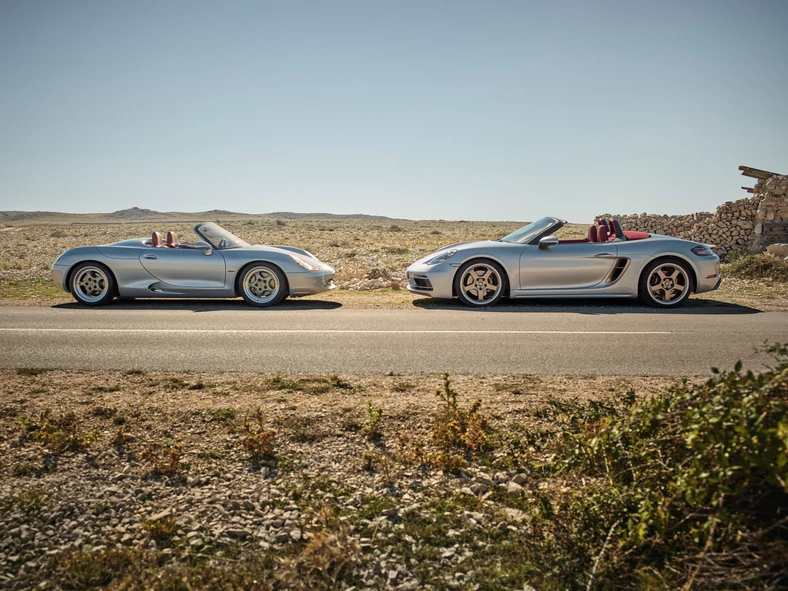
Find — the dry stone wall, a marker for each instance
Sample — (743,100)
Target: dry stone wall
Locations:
(736,226)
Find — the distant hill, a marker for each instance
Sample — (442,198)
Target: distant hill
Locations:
(137,215)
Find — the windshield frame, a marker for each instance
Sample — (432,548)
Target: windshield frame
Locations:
(223,234)
(538,229)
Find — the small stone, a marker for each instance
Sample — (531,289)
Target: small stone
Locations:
(161,515)
(520,479)
(513,488)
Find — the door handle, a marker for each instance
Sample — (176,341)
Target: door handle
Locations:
(604,255)
(150,256)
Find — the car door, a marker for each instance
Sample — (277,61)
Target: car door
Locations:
(184,267)
(572,265)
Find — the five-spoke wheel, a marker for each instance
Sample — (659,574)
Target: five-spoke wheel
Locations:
(92,284)
(262,285)
(665,284)
(480,283)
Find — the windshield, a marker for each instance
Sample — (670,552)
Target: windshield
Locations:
(527,233)
(218,237)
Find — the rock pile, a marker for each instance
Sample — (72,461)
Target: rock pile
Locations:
(374,279)
(736,226)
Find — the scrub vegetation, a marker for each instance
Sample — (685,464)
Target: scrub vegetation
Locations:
(459,482)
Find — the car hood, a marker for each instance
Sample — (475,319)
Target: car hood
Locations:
(462,246)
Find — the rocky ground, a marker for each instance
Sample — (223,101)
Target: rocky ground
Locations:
(256,481)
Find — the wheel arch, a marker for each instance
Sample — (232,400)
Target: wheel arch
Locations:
(70,273)
(672,256)
(482,259)
(242,270)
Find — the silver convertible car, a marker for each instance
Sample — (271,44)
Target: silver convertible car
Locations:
(661,271)
(217,265)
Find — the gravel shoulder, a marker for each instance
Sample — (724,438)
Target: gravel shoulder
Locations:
(146,479)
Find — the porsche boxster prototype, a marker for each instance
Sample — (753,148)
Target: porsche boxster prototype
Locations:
(217,265)
(661,271)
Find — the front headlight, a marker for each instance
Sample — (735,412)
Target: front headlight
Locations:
(442,257)
(304,264)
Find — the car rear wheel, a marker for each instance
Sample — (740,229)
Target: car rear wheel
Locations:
(665,284)
(262,285)
(92,284)
(480,283)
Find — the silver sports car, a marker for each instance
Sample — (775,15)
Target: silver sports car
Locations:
(217,265)
(661,271)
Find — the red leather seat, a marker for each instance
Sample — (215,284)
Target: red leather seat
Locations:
(155,240)
(592,234)
(172,242)
(602,233)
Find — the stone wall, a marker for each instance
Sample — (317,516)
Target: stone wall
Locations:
(736,226)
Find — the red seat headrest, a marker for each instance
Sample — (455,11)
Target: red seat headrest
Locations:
(592,234)
(155,239)
(171,241)
(601,234)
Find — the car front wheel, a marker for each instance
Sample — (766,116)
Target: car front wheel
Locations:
(480,283)
(262,285)
(92,284)
(665,284)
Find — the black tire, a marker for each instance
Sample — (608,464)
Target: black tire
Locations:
(262,285)
(665,283)
(480,283)
(92,284)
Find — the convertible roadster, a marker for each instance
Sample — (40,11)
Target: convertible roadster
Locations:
(661,271)
(217,265)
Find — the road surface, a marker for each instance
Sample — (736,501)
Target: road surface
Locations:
(321,337)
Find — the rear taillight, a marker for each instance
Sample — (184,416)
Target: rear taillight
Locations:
(702,251)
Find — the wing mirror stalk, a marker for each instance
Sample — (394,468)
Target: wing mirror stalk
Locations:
(547,242)
(206,250)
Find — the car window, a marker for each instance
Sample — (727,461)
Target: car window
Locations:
(527,233)
(218,237)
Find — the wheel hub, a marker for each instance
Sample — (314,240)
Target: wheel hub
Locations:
(667,283)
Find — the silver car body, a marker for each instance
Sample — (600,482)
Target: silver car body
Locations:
(200,269)
(571,268)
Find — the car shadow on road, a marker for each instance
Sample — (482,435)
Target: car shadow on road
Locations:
(206,305)
(590,306)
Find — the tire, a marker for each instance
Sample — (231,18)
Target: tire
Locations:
(480,283)
(262,285)
(666,283)
(92,284)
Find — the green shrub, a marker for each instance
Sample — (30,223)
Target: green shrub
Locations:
(371,429)
(689,488)
(757,266)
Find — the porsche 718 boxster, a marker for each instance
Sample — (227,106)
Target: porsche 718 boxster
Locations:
(661,271)
(217,265)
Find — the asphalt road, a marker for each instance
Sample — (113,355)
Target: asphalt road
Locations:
(321,337)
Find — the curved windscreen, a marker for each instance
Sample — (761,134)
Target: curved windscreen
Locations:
(218,237)
(527,233)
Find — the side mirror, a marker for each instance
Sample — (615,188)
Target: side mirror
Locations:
(547,242)
(206,250)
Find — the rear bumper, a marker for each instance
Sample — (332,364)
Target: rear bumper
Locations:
(59,276)
(709,276)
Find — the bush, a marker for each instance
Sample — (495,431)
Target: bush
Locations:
(689,488)
(757,266)
(59,434)
(164,458)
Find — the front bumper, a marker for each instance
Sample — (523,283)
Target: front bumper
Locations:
(302,284)
(431,280)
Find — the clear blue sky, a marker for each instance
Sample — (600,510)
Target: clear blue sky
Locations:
(494,110)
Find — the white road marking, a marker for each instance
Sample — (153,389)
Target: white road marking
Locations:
(211,331)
